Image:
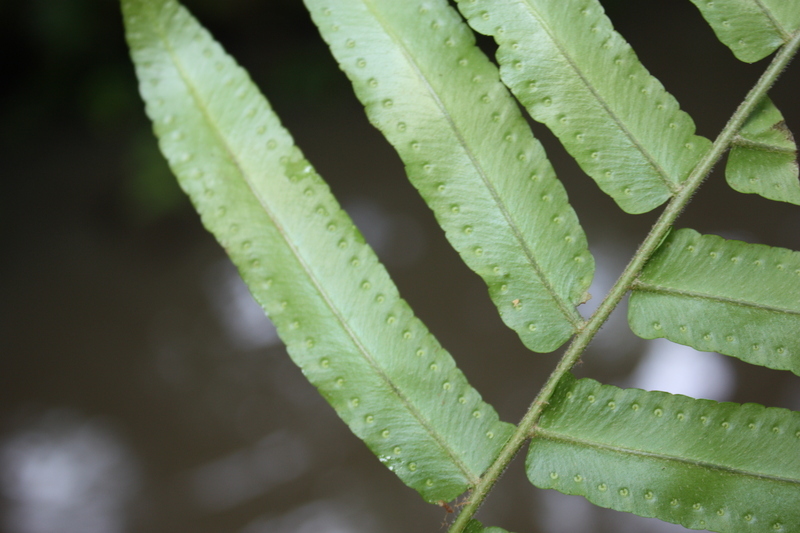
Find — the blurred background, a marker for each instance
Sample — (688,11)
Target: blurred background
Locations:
(142,390)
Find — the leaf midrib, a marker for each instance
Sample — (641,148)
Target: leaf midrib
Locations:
(569,439)
(405,400)
(785,35)
(739,141)
(568,310)
(660,171)
(650,287)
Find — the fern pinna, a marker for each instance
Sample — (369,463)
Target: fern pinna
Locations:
(453,117)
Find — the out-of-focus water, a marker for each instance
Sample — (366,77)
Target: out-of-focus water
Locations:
(142,390)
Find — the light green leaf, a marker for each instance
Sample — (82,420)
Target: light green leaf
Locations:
(574,73)
(476,527)
(722,296)
(439,101)
(705,465)
(332,302)
(752,29)
(763,157)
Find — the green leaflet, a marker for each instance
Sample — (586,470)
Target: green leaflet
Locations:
(439,101)
(699,463)
(763,157)
(305,262)
(476,527)
(722,296)
(574,73)
(752,29)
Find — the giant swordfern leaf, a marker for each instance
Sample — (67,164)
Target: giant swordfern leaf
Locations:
(438,99)
(752,29)
(573,72)
(763,158)
(332,302)
(706,465)
(722,296)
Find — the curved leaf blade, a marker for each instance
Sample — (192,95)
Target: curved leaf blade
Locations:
(752,29)
(305,261)
(699,463)
(717,295)
(763,157)
(574,73)
(467,149)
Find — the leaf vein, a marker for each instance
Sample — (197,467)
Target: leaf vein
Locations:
(368,357)
(762,146)
(560,437)
(649,287)
(564,306)
(659,169)
(784,33)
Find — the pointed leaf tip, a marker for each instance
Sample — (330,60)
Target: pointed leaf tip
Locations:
(305,262)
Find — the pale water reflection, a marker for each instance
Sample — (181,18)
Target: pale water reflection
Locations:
(324,516)
(67,474)
(241,317)
(250,472)
(679,369)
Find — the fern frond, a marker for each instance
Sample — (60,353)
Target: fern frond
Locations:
(439,101)
(752,29)
(763,157)
(706,465)
(573,72)
(305,262)
(722,296)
